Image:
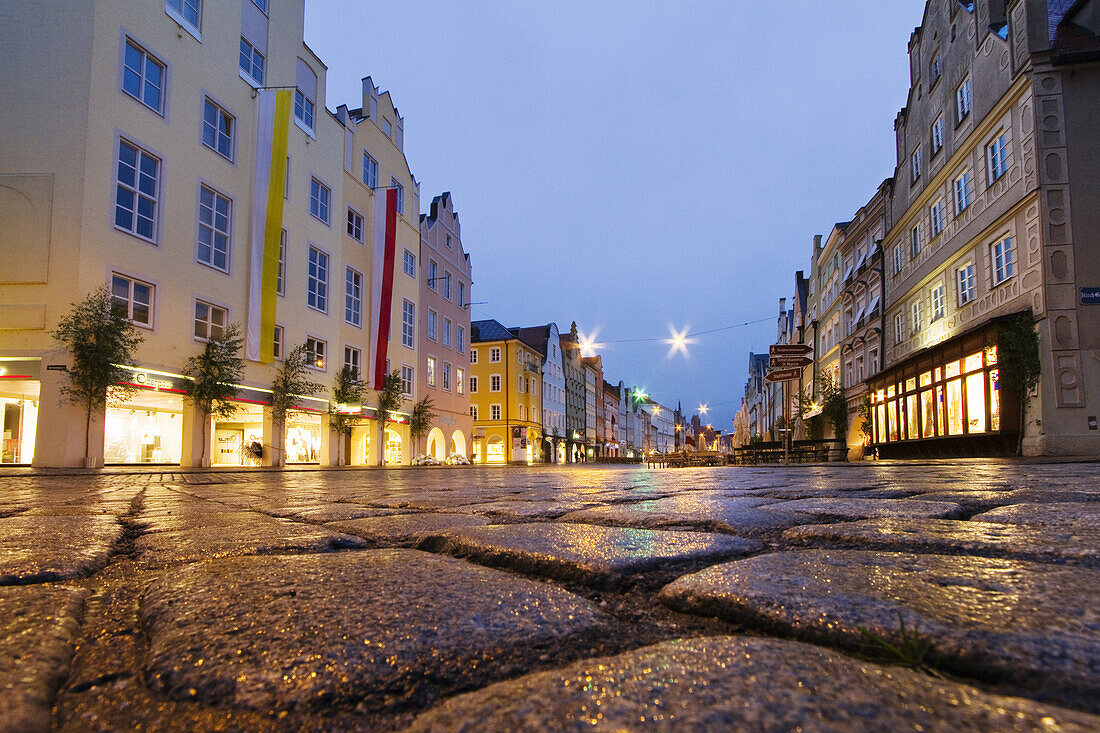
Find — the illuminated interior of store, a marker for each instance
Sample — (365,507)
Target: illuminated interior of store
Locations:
(18,420)
(145,429)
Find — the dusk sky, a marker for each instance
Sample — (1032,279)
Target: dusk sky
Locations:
(636,166)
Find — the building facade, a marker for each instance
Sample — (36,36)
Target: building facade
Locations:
(592,367)
(132,160)
(444,290)
(575,413)
(504,395)
(547,340)
(996,158)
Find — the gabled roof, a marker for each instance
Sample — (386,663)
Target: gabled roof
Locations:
(537,337)
(489,330)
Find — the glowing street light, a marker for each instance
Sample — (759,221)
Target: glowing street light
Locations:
(678,342)
(703,409)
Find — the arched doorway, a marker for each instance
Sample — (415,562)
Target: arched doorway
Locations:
(393,448)
(437,445)
(494,452)
(458,443)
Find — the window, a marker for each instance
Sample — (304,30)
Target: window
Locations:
(897,259)
(213,244)
(899,327)
(460,339)
(319,196)
(521,412)
(400,195)
(355,225)
(133,299)
(210,321)
(914,164)
(473,385)
(137,191)
(448,241)
(446,331)
(494,412)
(460,380)
(937,135)
(277,342)
(997,154)
(962,99)
(494,383)
(408,324)
(406,380)
(353,297)
(534,388)
(433,272)
(143,77)
(252,62)
(522,381)
(1004,260)
(447,285)
(431,325)
(370,170)
(494,355)
(914,241)
(188,11)
(280,277)
(462,294)
(317,280)
(303,108)
(963,192)
(916,308)
(473,411)
(431,371)
(935,214)
(473,356)
(967,283)
(935,69)
(446,376)
(387,128)
(938,296)
(410,264)
(315,352)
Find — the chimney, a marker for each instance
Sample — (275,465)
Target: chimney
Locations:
(782,306)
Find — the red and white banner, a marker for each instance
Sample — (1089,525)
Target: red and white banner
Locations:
(385,247)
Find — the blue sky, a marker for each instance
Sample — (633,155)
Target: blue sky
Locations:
(637,166)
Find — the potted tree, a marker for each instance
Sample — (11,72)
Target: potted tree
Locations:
(1019,365)
(291,382)
(348,390)
(389,399)
(214,372)
(420,421)
(101,340)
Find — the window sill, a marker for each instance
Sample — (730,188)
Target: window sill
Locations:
(305,128)
(135,235)
(248,79)
(183,23)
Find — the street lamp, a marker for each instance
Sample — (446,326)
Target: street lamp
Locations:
(703,408)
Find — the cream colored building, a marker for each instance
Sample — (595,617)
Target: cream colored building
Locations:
(128,159)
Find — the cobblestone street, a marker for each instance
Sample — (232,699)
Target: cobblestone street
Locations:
(553,598)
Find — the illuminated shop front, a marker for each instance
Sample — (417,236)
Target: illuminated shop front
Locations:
(946,401)
(148,426)
(238,440)
(19,390)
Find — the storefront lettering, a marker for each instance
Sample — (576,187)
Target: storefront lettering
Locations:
(149,382)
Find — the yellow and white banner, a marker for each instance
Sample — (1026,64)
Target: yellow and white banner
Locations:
(269,182)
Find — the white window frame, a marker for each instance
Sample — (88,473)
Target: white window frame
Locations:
(937,296)
(408,374)
(460,380)
(964,191)
(433,325)
(460,339)
(1003,259)
(936,218)
(916,315)
(142,74)
(967,282)
(963,100)
(915,164)
(473,356)
(473,412)
(131,299)
(370,170)
(250,53)
(898,261)
(400,195)
(278,338)
(320,200)
(211,226)
(446,284)
(494,355)
(208,321)
(177,10)
(135,190)
(998,156)
(473,384)
(353,297)
(446,377)
(409,264)
(937,135)
(408,324)
(433,274)
(355,224)
(280,274)
(899,327)
(304,109)
(429,374)
(316,351)
(221,138)
(494,382)
(494,411)
(914,242)
(317,271)
(447,323)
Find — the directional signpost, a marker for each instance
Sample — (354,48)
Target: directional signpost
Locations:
(785,363)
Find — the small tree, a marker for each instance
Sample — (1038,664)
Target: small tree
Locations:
(420,420)
(389,399)
(833,405)
(1018,361)
(100,339)
(291,382)
(348,390)
(213,372)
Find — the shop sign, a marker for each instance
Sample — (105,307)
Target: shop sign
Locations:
(56,368)
(150,382)
(1090,296)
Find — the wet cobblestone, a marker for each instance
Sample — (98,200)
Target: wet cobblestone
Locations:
(237,600)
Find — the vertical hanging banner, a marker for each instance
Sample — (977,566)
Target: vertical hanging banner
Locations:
(381,292)
(269,183)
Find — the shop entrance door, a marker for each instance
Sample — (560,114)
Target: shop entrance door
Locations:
(227,447)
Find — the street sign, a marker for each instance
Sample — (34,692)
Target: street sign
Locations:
(1090,296)
(789,350)
(784,375)
(787,362)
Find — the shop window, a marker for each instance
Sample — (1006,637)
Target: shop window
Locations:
(954,407)
(133,298)
(210,321)
(975,402)
(994,400)
(316,350)
(136,433)
(928,414)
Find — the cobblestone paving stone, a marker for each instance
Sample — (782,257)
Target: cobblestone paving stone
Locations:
(603,557)
(1009,619)
(732,683)
(38,626)
(140,574)
(1074,544)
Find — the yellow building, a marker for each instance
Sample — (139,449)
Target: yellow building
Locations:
(505,396)
(133,158)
